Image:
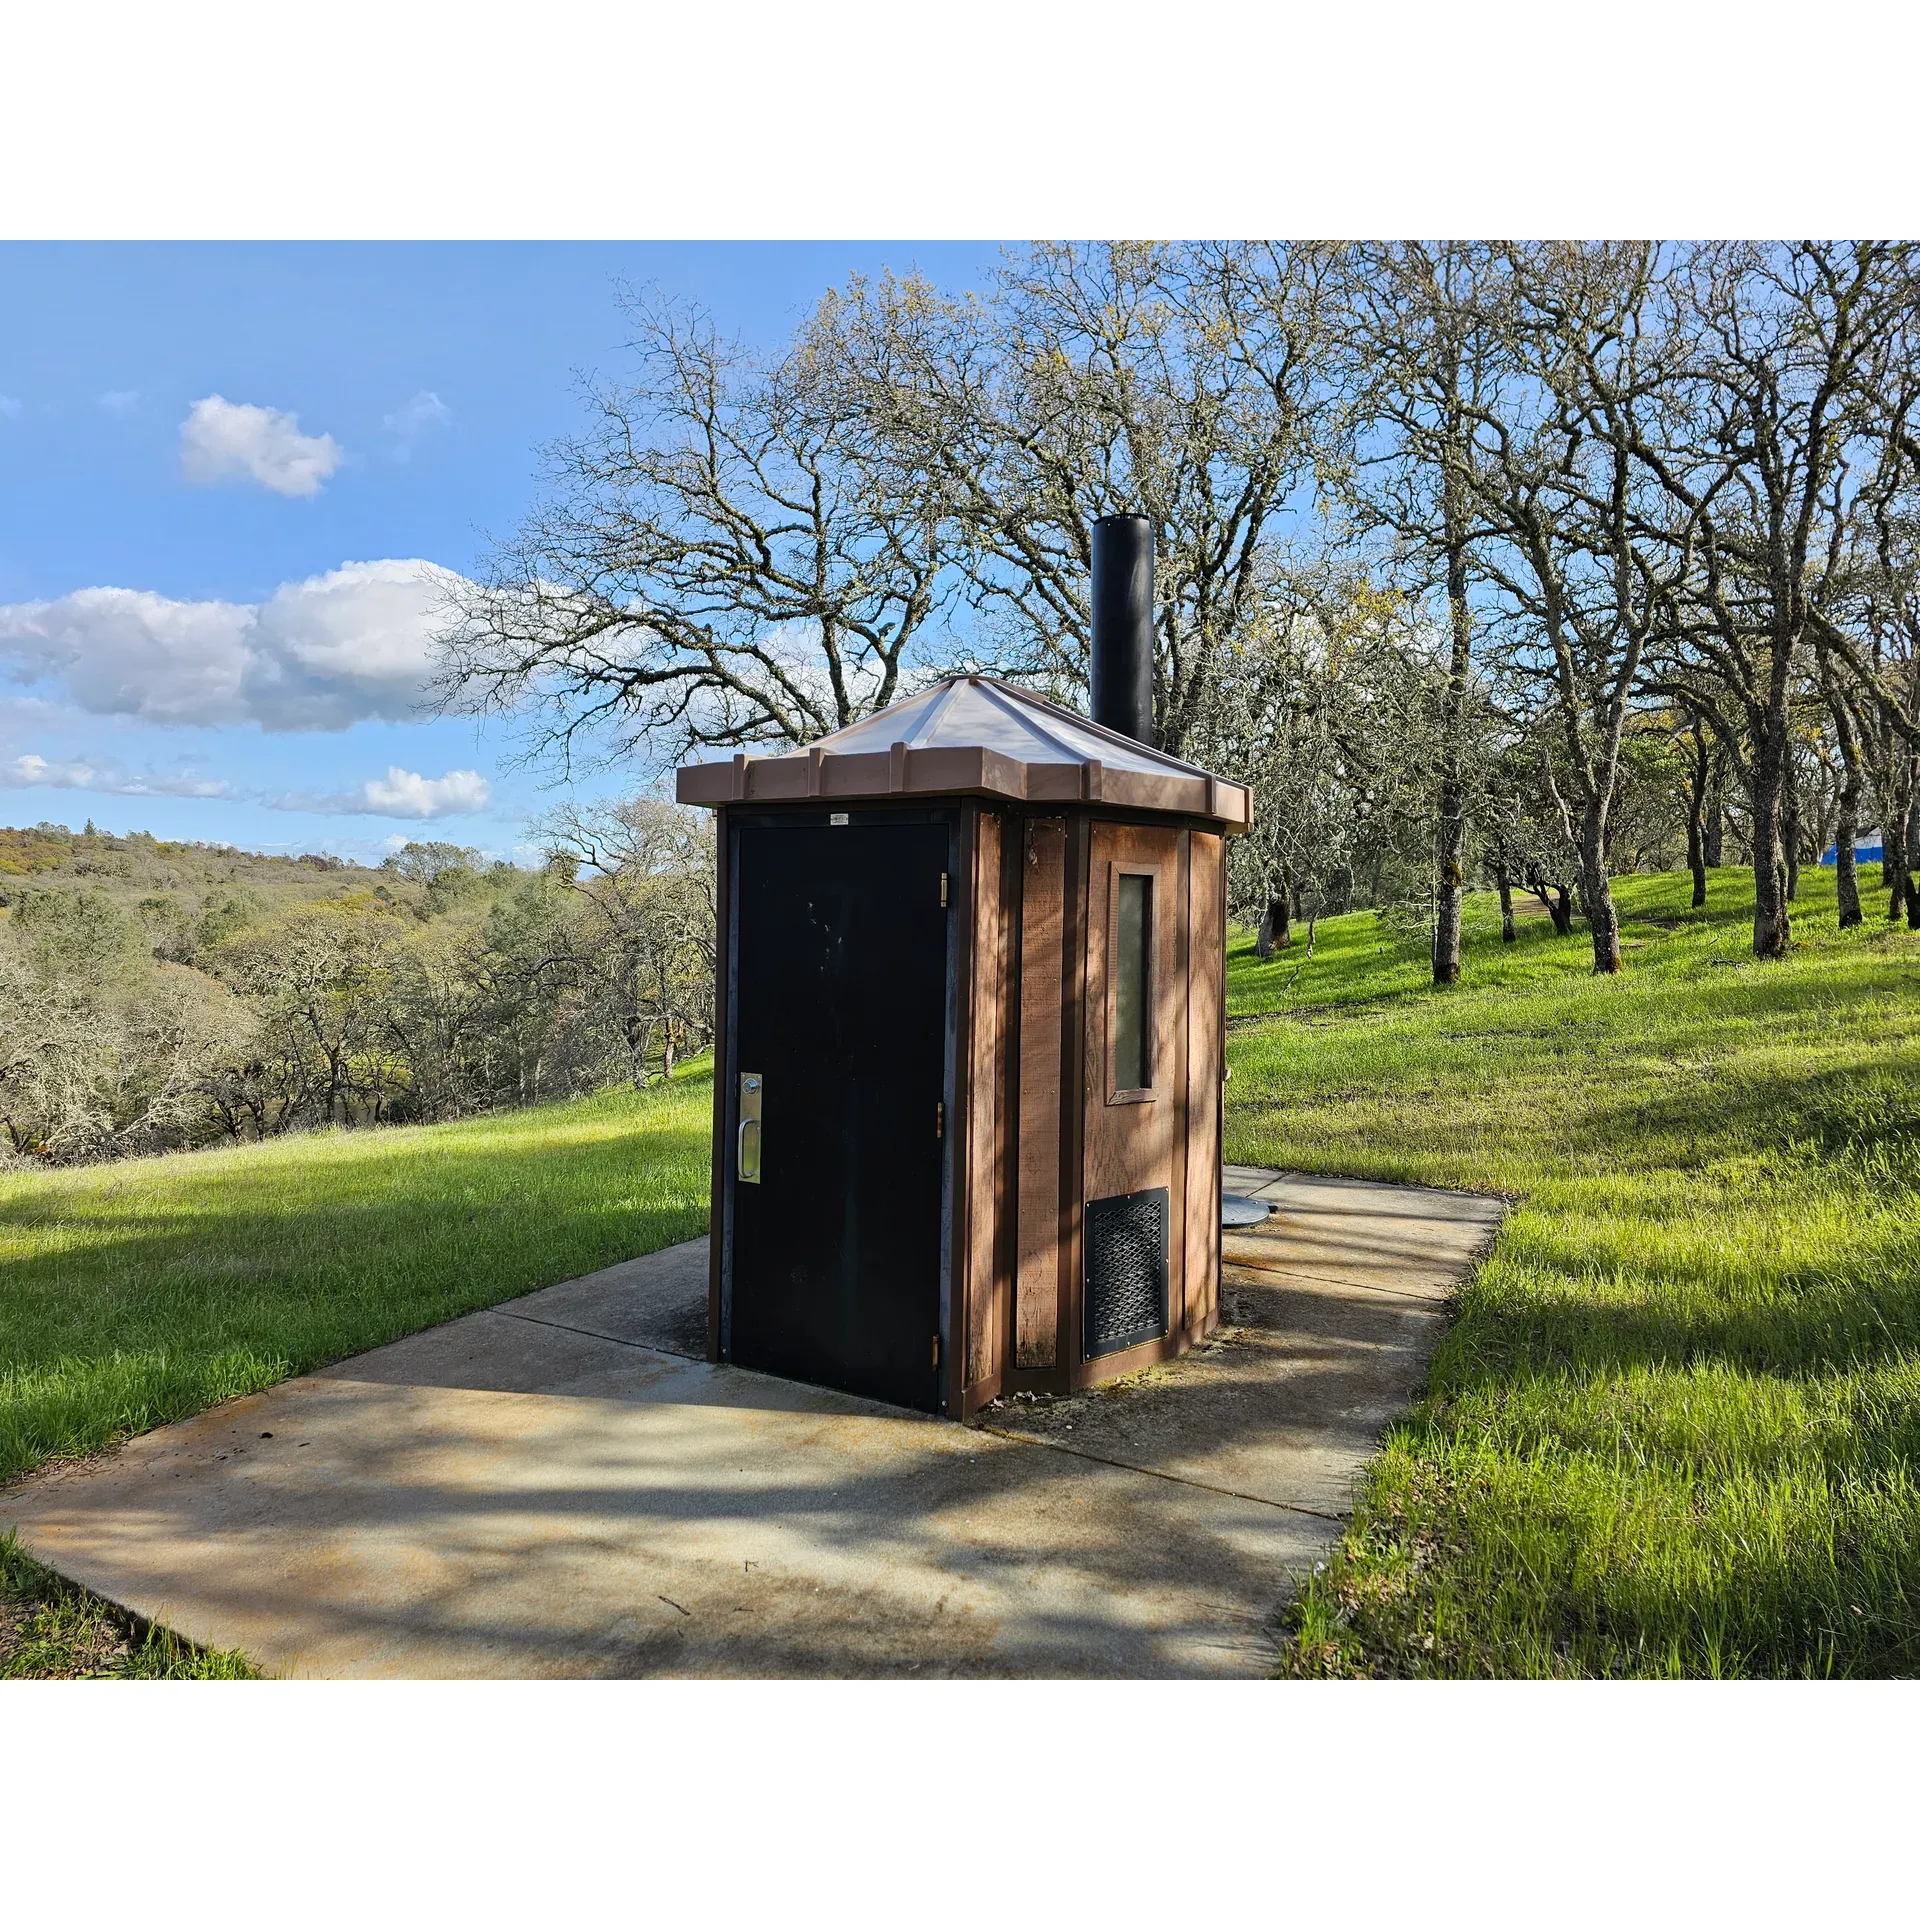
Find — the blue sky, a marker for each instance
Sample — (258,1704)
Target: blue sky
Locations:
(211,458)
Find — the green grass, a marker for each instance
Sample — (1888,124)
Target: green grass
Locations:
(137,1293)
(1675,1427)
(51,1629)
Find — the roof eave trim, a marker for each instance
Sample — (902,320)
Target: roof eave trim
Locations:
(932,772)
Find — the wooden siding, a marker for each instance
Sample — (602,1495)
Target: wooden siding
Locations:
(721,1202)
(1037,1208)
(986,1052)
(1036,1129)
(1135,1142)
(1206,945)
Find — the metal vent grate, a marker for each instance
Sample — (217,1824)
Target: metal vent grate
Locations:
(1126,1271)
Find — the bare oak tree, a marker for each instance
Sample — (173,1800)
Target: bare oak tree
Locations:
(1775,404)
(1551,466)
(1184,383)
(642,874)
(1423,335)
(714,562)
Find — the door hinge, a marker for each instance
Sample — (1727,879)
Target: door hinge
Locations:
(936,1353)
(943,889)
(939,1119)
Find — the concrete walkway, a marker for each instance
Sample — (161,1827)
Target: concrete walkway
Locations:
(558,1486)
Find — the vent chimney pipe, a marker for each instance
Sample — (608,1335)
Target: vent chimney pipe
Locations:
(1122,637)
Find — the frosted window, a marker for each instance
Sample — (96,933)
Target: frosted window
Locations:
(1132,980)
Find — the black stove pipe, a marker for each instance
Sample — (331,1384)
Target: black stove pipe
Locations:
(1122,636)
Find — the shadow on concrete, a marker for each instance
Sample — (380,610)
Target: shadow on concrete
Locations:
(396,1530)
(525,1491)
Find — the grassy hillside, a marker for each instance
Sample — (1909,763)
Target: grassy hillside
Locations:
(138,1292)
(1676,1426)
(188,873)
(1674,1429)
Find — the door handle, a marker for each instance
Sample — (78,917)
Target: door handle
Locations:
(746,1145)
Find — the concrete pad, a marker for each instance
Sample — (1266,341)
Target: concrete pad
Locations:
(551,1488)
(1246,1179)
(1330,1309)
(658,1300)
(1365,1233)
(1293,1415)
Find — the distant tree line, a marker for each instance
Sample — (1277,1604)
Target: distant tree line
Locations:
(1487,564)
(1503,564)
(446,985)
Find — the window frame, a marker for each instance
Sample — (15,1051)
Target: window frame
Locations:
(1154,875)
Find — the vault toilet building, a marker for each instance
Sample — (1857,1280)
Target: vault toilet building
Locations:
(969,1056)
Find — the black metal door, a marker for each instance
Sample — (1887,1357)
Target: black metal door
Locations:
(840,1016)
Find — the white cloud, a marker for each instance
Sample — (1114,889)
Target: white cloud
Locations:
(220,440)
(110,776)
(353,644)
(9,406)
(316,656)
(177,662)
(412,796)
(32,707)
(408,423)
(119,400)
(401,795)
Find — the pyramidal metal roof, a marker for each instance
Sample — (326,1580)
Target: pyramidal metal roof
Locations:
(971,735)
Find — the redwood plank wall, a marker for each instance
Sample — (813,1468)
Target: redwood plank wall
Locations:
(986,1048)
(1038,1235)
(1206,1020)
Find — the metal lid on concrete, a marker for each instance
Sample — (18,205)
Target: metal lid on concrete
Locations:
(1238,1210)
(971,735)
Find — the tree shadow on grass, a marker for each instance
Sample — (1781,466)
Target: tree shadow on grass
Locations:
(161,1310)
(1739,1278)
(1466,1562)
(1828,1328)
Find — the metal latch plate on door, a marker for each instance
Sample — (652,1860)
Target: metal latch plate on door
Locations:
(747,1142)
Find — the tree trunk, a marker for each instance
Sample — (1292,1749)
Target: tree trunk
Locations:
(1846,824)
(1697,838)
(1280,919)
(1790,831)
(1713,828)
(1772,925)
(1276,928)
(1596,896)
(1897,799)
(1847,878)
(1506,907)
(666,1020)
(1846,828)
(1913,853)
(1453,823)
(1558,902)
